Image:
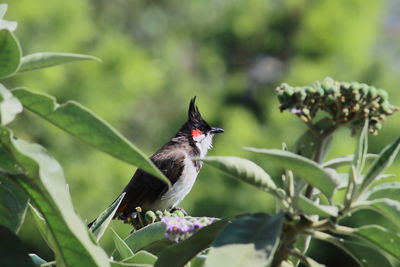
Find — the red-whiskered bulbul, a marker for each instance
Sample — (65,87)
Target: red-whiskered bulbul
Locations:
(174,159)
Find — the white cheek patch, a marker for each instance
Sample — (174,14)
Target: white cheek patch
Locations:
(199,138)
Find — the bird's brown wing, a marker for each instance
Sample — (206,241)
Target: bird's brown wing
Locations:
(145,188)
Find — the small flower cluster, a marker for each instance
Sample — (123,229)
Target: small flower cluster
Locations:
(178,229)
(345,102)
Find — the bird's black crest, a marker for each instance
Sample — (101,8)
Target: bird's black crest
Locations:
(194,117)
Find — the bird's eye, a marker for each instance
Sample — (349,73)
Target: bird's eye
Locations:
(196,132)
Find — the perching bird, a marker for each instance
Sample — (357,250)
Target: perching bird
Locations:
(174,159)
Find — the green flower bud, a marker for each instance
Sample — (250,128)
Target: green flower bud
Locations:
(150,216)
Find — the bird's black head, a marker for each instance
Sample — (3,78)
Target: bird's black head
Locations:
(196,125)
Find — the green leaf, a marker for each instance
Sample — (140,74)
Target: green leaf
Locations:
(365,256)
(142,257)
(13,203)
(382,238)
(47,59)
(12,250)
(344,161)
(44,183)
(179,254)
(326,181)
(244,170)
(100,225)
(5,24)
(311,208)
(387,207)
(383,161)
(250,240)
(385,190)
(123,249)
(361,150)
(145,236)
(9,106)
(83,124)
(10,53)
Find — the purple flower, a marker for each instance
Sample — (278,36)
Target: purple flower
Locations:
(178,229)
(295,111)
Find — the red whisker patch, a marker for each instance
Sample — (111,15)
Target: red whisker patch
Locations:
(196,133)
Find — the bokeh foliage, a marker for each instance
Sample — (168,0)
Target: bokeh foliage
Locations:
(156,55)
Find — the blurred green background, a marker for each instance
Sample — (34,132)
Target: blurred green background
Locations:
(156,55)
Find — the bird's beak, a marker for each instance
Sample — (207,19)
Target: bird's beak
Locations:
(215,130)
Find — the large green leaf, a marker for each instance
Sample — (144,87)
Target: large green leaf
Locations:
(244,170)
(13,203)
(12,250)
(326,181)
(311,208)
(44,183)
(365,256)
(381,237)
(47,59)
(384,160)
(100,225)
(387,207)
(146,236)
(9,106)
(10,53)
(123,249)
(385,190)
(179,254)
(83,124)
(250,240)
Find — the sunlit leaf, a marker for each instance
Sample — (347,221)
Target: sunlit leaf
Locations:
(181,253)
(10,53)
(250,240)
(123,249)
(326,181)
(100,225)
(384,160)
(5,24)
(9,106)
(244,170)
(309,207)
(83,124)
(47,59)
(44,183)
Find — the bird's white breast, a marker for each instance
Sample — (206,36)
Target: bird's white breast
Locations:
(180,189)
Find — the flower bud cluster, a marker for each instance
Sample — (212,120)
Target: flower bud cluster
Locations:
(345,102)
(139,219)
(178,229)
